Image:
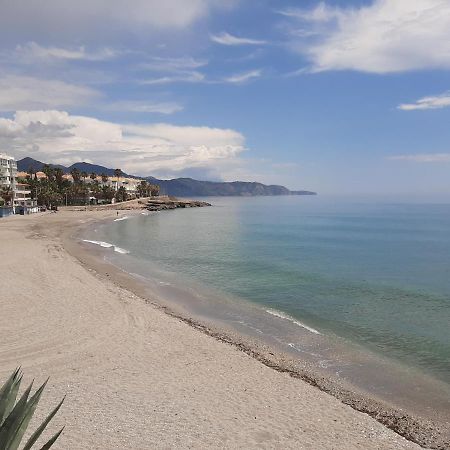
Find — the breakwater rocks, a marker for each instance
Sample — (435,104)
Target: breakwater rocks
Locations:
(164,203)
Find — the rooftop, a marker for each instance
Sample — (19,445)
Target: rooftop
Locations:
(5,156)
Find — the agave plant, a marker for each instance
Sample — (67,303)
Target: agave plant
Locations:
(15,417)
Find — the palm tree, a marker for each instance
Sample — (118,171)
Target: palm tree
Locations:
(107,193)
(84,175)
(104,177)
(75,175)
(121,194)
(59,175)
(154,190)
(49,171)
(117,173)
(93,176)
(31,172)
(143,188)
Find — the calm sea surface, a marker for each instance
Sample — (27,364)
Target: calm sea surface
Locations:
(374,274)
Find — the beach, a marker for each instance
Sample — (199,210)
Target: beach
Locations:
(137,377)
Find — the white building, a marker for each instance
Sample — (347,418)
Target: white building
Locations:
(18,194)
(22,196)
(8,172)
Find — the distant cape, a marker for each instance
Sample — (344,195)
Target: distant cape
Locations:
(181,187)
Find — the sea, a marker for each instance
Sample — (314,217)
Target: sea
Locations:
(361,288)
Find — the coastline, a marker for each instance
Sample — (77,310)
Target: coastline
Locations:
(56,231)
(427,432)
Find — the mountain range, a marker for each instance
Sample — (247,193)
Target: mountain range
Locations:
(181,187)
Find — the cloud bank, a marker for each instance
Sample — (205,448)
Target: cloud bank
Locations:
(88,17)
(158,149)
(385,36)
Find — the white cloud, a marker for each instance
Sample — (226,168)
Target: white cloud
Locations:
(145,107)
(423,158)
(432,102)
(385,36)
(321,13)
(84,17)
(228,39)
(181,64)
(174,70)
(243,77)
(59,137)
(183,77)
(20,92)
(33,52)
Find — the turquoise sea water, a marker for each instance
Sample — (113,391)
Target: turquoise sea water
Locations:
(372,273)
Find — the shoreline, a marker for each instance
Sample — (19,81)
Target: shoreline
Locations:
(59,231)
(418,430)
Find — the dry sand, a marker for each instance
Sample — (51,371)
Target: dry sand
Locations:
(137,378)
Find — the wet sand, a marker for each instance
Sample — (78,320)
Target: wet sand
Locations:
(139,376)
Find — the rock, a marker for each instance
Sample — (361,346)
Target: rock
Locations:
(165,203)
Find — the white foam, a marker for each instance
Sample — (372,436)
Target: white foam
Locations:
(121,218)
(107,245)
(101,243)
(121,250)
(291,319)
(144,213)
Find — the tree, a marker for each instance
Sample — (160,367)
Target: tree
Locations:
(84,175)
(93,176)
(49,171)
(121,194)
(75,175)
(143,189)
(107,193)
(7,194)
(154,190)
(59,176)
(117,174)
(31,172)
(104,177)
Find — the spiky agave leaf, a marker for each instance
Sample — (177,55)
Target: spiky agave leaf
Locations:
(24,420)
(11,424)
(16,418)
(51,441)
(8,394)
(35,436)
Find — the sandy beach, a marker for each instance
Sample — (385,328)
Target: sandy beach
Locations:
(138,378)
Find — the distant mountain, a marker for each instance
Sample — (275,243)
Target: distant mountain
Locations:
(23,165)
(187,187)
(180,187)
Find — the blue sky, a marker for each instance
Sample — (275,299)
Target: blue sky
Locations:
(339,97)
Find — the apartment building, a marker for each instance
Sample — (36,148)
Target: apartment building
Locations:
(16,195)
(8,172)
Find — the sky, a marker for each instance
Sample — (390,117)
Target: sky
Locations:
(339,97)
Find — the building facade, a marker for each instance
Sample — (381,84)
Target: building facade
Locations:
(16,196)
(8,177)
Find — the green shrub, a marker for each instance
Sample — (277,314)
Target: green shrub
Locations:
(15,417)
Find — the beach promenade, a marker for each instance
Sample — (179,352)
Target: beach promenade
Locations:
(137,378)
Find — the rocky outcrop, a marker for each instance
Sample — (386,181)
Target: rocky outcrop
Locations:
(164,203)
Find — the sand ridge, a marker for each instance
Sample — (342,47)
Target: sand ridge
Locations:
(137,378)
